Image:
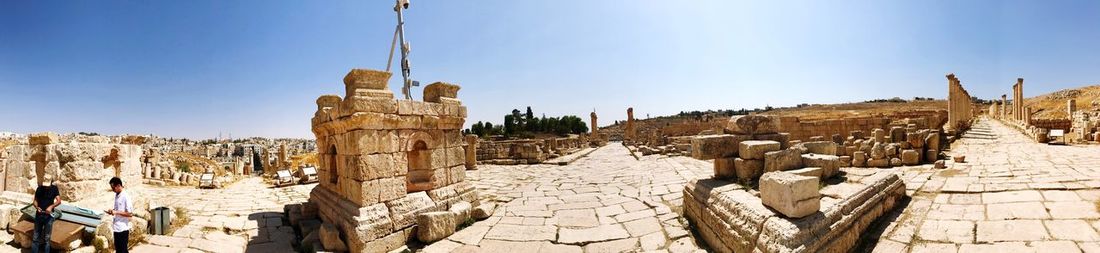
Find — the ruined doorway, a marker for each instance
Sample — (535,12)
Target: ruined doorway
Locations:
(420,167)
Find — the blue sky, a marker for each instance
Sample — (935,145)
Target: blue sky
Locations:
(254,68)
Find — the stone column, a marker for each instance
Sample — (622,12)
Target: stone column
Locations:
(595,128)
(1004,106)
(471,152)
(282,163)
(1071,106)
(629,134)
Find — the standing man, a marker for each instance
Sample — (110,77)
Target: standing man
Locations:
(46,198)
(122,211)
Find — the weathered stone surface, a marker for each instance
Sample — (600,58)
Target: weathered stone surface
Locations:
(878,151)
(43,138)
(820,147)
(878,163)
(808,172)
(434,226)
(931,155)
(859,159)
(724,168)
(787,159)
(829,164)
(879,135)
(748,169)
(462,211)
(753,124)
(756,149)
(708,147)
(910,157)
(484,210)
(435,92)
(895,162)
(792,195)
(330,238)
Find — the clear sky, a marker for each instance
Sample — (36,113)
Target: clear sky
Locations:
(254,68)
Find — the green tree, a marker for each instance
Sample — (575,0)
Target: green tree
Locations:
(532,124)
(509,124)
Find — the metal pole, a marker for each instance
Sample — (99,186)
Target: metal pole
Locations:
(404,51)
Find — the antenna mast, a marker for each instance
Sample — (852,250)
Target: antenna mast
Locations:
(399,33)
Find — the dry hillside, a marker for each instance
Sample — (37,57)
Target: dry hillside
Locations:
(836,111)
(1053,105)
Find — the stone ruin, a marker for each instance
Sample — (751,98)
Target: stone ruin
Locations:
(770,196)
(529,151)
(390,170)
(81,166)
(1019,115)
(960,109)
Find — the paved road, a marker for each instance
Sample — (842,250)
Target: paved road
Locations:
(606,202)
(1012,195)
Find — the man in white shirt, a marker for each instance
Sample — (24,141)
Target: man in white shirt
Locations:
(123,210)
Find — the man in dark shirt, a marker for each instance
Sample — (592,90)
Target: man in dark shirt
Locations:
(46,198)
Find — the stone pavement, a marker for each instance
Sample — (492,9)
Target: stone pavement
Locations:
(247,214)
(1011,195)
(606,202)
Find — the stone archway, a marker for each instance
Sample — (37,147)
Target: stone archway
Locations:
(418,152)
(420,167)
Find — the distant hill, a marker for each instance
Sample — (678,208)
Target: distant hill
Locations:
(1053,105)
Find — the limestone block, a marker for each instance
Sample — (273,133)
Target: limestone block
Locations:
(5,216)
(330,238)
(461,210)
(403,210)
(820,147)
(756,149)
(895,162)
(752,124)
(817,138)
(484,210)
(787,159)
(714,146)
(892,149)
(748,170)
(437,90)
(838,139)
(931,155)
(910,157)
(878,151)
(724,168)
(940,164)
(829,164)
(845,161)
(879,135)
(434,226)
(367,79)
(43,138)
(859,159)
(933,140)
(809,172)
(792,195)
(897,134)
(878,163)
(782,138)
(856,134)
(391,188)
(916,140)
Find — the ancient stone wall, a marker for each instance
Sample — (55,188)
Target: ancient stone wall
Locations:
(804,131)
(529,151)
(81,167)
(384,161)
